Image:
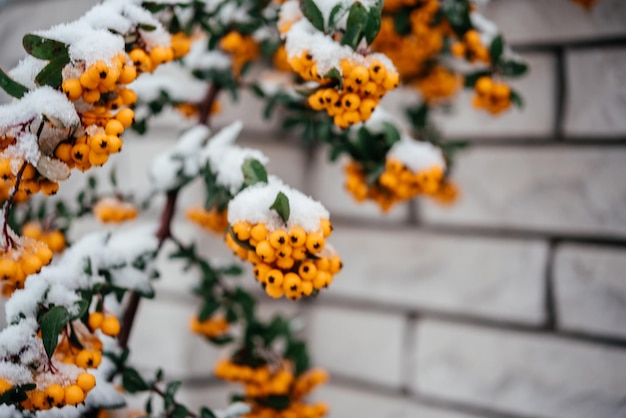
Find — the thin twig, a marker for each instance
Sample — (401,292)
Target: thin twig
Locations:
(7,208)
(165,228)
(159,392)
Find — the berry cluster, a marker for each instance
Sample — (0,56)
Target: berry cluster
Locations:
(397,183)
(27,256)
(364,85)
(290,263)
(114,210)
(493,96)
(438,85)
(31,181)
(211,220)
(265,381)
(242,49)
(53,238)
(425,39)
(54,395)
(471,48)
(211,328)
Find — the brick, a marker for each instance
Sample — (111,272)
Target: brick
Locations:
(20,18)
(423,271)
(534,121)
(519,373)
(357,344)
(548,189)
(161,339)
(596,99)
(327,186)
(350,402)
(589,289)
(554,21)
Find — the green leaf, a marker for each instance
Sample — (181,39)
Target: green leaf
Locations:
(132,381)
(146,27)
(496,49)
(113,177)
(357,20)
(243,244)
(253,172)
(74,340)
(418,116)
(51,75)
(208,308)
(372,27)
(52,323)
(335,15)
(44,48)
(281,206)
(170,392)
(83,306)
(402,23)
(12,87)
(313,14)
(297,352)
(513,68)
(392,135)
(517,99)
(207,413)
(334,74)
(278,402)
(179,412)
(472,78)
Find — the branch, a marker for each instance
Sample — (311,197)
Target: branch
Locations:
(7,208)
(165,228)
(159,392)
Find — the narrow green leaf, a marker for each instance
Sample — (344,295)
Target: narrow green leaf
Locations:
(132,381)
(402,23)
(44,48)
(334,74)
(51,75)
(335,16)
(513,68)
(207,413)
(170,393)
(146,27)
(52,323)
(496,49)
(357,19)
(208,308)
(313,14)
(472,78)
(372,27)
(179,412)
(281,206)
(12,87)
(253,172)
(243,244)
(517,99)
(392,135)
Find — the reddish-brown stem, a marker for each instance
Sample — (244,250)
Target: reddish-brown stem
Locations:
(7,209)
(159,392)
(165,232)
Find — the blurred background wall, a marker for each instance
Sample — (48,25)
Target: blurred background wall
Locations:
(510,304)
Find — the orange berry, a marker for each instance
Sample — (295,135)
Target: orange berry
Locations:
(110,326)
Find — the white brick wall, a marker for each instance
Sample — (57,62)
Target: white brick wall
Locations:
(561,190)
(590,291)
(510,304)
(521,373)
(597,93)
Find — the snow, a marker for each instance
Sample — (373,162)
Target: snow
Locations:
(170,78)
(253,205)
(174,167)
(199,58)
(416,155)
(233,411)
(226,159)
(26,71)
(302,38)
